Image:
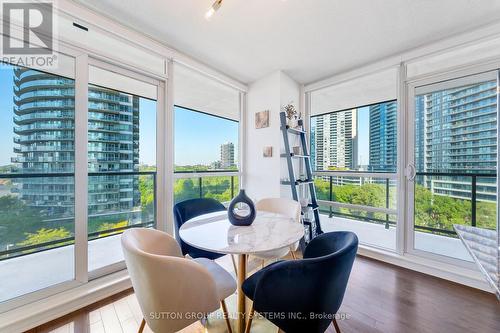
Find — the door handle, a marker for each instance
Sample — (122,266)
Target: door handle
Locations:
(411,172)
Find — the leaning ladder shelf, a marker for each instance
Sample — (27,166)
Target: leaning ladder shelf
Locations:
(314,227)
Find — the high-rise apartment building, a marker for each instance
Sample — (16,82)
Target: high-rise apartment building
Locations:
(227,155)
(383,137)
(335,140)
(44,126)
(456,133)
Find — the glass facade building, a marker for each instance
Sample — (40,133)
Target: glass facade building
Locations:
(335,144)
(456,133)
(383,137)
(44,143)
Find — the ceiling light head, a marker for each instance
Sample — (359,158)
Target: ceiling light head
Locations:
(215,7)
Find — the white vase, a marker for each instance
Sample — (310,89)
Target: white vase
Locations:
(292,123)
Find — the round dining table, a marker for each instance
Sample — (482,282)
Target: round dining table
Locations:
(213,232)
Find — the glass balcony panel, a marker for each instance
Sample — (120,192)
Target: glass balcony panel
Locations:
(216,187)
(36,233)
(117,203)
(364,205)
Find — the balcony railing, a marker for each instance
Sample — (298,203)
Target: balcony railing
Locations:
(221,185)
(379,212)
(102,223)
(474,188)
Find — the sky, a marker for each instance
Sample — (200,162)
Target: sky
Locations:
(363,135)
(198,137)
(6,115)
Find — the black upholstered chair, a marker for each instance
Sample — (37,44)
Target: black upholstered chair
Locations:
(186,210)
(288,292)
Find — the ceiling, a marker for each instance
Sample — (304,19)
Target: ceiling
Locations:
(308,39)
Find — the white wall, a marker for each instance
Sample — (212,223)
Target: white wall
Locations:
(262,175)
(289,93)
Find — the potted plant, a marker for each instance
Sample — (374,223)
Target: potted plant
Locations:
(291,115)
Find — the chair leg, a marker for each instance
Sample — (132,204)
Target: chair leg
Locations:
(143,324)
(226,315)
(293,255)
(263,263)
(250,317)
(337,329)
(234,265)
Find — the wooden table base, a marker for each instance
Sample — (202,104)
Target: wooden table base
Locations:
(242,274)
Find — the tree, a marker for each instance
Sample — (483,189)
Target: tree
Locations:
(45,235)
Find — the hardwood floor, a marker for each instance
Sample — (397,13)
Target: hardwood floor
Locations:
(380,298)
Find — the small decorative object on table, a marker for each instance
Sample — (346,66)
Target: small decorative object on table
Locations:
(235,208)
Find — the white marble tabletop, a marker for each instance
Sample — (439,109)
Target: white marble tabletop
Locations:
(213,232)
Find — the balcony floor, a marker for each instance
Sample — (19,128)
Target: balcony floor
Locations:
(36,271)
(377,235)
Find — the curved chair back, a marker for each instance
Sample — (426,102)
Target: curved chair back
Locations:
(283,206)
(164,282)
(188,209)
(315,284)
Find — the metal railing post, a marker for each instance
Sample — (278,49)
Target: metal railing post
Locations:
(232,187)
(154,201)
(201,188)
(387,202)
(331,195)
(473,201)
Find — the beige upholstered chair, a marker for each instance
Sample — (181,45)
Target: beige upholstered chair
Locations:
(170,288)
(283,206)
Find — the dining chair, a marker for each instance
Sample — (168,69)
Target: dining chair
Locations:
(307,291)
(286,207)
(188,209)
(169,287)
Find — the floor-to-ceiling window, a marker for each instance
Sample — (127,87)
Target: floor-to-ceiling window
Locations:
(454,156)
(354,158)
(207,143)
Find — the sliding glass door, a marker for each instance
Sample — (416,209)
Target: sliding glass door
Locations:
(452,157)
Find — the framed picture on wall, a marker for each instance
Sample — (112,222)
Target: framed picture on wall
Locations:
(267,151)
(262,119)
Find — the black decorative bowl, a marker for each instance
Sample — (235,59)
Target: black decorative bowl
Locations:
(241,220)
